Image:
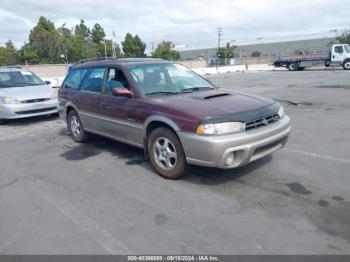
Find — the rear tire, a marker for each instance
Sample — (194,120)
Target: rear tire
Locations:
(328,63)
(293,67)
(346,64)
(166,153)
(2,121)
(301,68)
(76,128)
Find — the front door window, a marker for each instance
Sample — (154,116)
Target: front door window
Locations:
(115,79)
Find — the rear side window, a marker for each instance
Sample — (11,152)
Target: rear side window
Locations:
(74,78)
(94,80)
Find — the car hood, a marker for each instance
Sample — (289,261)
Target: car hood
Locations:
(220,105)
(27,92)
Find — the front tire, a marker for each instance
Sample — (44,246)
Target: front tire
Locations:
(166,153)
(346,64)
(293,67)
(76,128)
(327,63)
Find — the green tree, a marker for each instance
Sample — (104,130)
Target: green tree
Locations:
(256,54)
(344,38)
(133,46)
(97,33)
(226,52)
(43,40)
(82,31)
(8,54)
(165,50)
(80,46)
(12,55)
(3,55)
(47,44)
(28,54)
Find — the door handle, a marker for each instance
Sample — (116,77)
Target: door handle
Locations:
(75,100)
(103,105)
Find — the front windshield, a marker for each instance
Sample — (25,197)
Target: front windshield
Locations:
(19,79)
(347,48)
(162,79)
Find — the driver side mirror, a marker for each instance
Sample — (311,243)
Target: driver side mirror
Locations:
(122,92)
(47,82)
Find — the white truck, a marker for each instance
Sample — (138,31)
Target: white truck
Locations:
(339,55)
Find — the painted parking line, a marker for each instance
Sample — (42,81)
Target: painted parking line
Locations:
(85,223)
(324,157)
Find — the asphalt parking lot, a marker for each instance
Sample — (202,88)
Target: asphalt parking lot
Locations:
(59,197)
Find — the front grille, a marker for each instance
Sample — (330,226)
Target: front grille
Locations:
(37,100)
(28,112)
(261,122)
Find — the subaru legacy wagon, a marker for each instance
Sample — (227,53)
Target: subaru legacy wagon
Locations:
(173,114)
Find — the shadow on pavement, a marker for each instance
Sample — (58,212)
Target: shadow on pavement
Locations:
(135,156)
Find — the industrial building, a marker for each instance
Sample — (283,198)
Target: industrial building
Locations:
(264,52)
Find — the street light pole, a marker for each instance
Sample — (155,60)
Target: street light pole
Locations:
(114,43)
(24,53)
(104,42)
(66,55)
(219,43)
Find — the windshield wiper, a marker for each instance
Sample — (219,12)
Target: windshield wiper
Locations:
(196,88)
(161,92)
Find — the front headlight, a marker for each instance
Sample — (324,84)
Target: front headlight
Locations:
(220,128)
(8,100)
(281,112)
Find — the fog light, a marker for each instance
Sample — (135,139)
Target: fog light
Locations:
(230,159)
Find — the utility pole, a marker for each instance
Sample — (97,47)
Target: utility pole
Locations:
(219,43)
(24,54)
(66,55)
(104,42)
(114,55)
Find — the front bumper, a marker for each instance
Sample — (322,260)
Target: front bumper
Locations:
(247,147)
(13,111)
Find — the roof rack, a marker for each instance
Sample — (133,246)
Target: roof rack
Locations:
(96,59)
(131,59)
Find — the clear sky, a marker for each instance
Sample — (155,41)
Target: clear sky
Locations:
(185,22)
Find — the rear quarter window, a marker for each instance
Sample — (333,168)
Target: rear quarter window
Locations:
(74,78)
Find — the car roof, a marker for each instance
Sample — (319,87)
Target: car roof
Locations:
(115,62)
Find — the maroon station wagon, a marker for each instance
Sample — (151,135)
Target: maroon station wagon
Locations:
(173,114)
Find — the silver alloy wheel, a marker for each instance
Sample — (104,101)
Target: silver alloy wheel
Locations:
(347,65)
(164,153)
(292,67)
(75,126)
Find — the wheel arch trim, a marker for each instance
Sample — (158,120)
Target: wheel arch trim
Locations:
(162,119)
(68,105)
